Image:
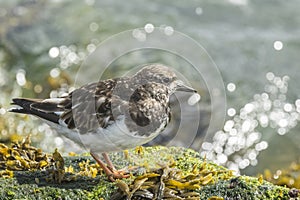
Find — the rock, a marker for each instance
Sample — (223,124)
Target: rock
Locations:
(162,171)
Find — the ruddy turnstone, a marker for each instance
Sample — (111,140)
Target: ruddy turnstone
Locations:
(113,114)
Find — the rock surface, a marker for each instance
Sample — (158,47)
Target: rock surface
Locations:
(175,173)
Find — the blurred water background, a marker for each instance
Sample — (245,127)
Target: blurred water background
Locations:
(255,44)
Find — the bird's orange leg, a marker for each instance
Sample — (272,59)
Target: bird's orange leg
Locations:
(108,162)
(109,169)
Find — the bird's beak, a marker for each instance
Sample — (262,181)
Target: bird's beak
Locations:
(183,88)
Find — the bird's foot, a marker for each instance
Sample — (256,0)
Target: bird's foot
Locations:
(109,168)
(113,174)
(116,174)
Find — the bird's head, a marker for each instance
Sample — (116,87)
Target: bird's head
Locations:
(161,74)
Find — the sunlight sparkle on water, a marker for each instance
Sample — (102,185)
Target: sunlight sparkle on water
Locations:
(249,107)
(261,146)
(55,72)
(297,102)
(278,45)
(252,155)
(246,126)
(195,98)
(270,76)
(38,88)
(231,112)
(264,120)
(207,146)
(283,123)
(149,28)
(53,52)
(199,11)
(139,35)
(94,26)
(231,87)
(240,140)
(288,107)
(91,47)
(70,55)
(281,131)
(53,94)
(20,77)
(228,125)
(2,111)
(169,30)
(222,158)
(244,163)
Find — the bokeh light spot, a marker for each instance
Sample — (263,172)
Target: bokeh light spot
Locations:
(94,26)
(231,112)
(20,77)
(149,28)
(2,111)
(53,52)
(270,76)
(231,87)
(55,72)
(169,30)
(139,35)
(288,107)
(199,11)
(228,125)
(38,88)
(195,98)
(278,45)
(91,47)
(297,102)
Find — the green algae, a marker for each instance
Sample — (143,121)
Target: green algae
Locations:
(244,187)
(222,183)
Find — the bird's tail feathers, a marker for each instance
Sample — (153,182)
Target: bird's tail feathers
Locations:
(23,105)
(46,109)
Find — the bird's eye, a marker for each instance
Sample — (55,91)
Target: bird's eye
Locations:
(166,80)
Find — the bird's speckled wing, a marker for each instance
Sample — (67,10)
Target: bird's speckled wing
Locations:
(92,106)
(85,108)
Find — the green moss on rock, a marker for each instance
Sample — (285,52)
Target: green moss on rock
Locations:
(221,183)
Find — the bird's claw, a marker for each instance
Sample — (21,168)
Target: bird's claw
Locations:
(117,174)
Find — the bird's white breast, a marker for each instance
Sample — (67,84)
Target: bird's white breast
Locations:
(115,137)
